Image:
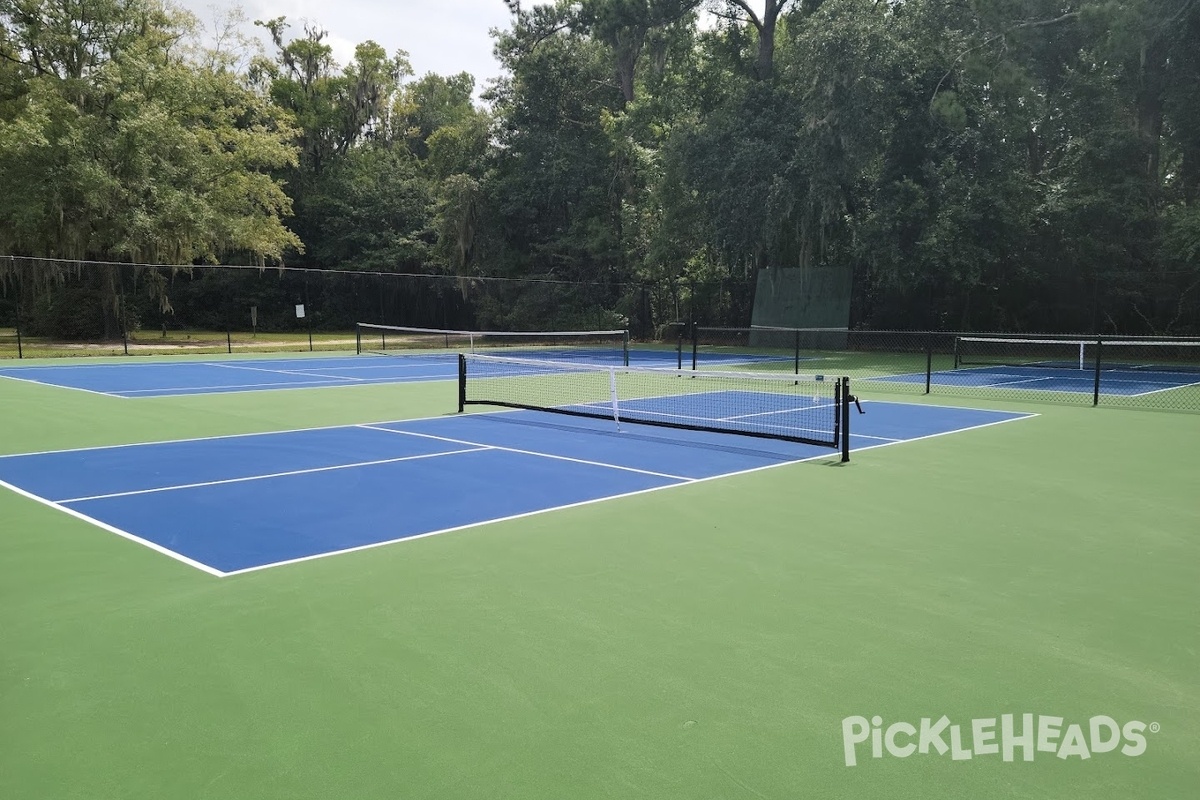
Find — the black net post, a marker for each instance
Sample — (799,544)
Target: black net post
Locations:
(625,349)
(462,382)
(228,341)
(679,352)
(796,353)
(1096,384)
(956,338)
(357,339)
(844,396)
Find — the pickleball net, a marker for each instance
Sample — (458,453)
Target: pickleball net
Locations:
(810,409)
(1144,355)
(604,347)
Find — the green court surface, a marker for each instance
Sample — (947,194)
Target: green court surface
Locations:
(705,641)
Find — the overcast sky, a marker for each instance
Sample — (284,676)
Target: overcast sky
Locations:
(442,36)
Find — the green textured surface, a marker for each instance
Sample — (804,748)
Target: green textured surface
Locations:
(700,642)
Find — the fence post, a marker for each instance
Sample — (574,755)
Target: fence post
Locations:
(928,361)
(308,313)
(12,263)
(695,338)
(1096,389)
(124,314)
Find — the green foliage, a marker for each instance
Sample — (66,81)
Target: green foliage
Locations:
(971,165)
(122,149)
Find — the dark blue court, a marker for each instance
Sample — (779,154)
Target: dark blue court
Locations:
(1130,382)
(239,503)
(221,376)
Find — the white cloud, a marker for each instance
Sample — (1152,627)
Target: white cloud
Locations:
(442,36)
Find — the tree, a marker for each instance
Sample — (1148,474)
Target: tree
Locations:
(123,148)
(431,103)
(741,12)
(121,145)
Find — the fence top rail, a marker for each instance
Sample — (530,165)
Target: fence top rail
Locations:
(1187,341)
(1088,338)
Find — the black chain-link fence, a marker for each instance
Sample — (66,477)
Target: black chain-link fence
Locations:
(63,307)
(1136,372)
(52,308)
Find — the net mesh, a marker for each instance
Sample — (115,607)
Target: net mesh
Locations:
(600,347)
(799,408)
(1113,355)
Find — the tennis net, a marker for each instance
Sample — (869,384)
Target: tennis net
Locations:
(604,347)
(811,409)
(1124,355)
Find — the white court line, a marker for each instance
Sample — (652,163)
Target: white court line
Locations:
(401,367)
(1024,415)
(531,453)
(779,411)
(889,439)
(1023,380)
(209,389)
(220,436)
(274,475)
(302,373)
(372,545)
(481,523)
(643,413)
(1152,391)
(61,386)
(123,534)
(593,501)
(195,391)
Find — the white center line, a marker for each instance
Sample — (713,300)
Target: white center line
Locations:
(531,453)
(273,475)
(302,373)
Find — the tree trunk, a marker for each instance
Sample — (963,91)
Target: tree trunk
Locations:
(766,47)
(1151,82)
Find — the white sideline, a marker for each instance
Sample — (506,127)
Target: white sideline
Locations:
(57,386)
(158,548)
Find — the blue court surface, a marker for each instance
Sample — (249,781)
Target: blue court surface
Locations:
(218,376)
(1132,382)
(239,503)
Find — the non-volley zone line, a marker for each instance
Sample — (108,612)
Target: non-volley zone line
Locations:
(211,376)
(230,505)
